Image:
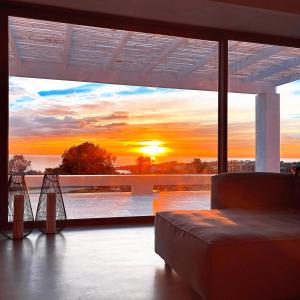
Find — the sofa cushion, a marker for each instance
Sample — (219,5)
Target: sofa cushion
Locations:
(253,191)
(233,225)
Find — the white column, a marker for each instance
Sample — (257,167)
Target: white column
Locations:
(142,188)
(267,132)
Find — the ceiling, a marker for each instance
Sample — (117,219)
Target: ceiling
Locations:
(291,6)
(43,49)
(280,18)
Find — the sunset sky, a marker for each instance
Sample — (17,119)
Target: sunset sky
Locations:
(49,116)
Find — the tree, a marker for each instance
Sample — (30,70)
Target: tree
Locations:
(200,167)
(87,158)
(143,165)
(18,164)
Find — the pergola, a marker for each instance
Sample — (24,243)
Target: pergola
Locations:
(43,49)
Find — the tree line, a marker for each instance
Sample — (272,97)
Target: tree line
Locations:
(89,158)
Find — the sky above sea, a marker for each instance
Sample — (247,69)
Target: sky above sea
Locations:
(49,116)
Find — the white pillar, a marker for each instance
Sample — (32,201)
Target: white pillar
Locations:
(142,188)
(267,132)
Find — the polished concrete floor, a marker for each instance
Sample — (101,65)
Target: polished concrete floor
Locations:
(103,263)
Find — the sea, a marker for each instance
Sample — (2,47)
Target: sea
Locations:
(40,162)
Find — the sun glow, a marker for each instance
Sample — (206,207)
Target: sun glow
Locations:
(152,148)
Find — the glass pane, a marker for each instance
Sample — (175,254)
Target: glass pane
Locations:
(263,106)
(290,124)
(128,119)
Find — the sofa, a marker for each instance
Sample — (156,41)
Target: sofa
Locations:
(246,247)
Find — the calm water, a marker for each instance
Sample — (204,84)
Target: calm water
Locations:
(40,162)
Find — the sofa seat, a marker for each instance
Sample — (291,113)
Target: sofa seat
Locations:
(231,253)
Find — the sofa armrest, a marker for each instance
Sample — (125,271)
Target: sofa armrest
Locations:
(256,190)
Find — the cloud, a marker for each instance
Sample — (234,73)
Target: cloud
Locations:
(46,116)
(18,95)
(102,90)
(113,125)
(35,85)
(116,116)
(85,88)
(57,111)
(292,88)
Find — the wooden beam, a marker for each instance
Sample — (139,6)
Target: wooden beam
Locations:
(13,46)
(223,108)
(201,62)
(290,6)
(288,79)
(164,54)
(67,44)
(275,68)
(116,52)
(252,59)
(4,114)
(154,79)
(79,17)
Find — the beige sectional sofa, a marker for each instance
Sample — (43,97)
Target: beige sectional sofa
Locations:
(246,247)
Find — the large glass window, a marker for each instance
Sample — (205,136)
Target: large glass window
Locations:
(263,105)
(130,117)
(290,124)
(241,132)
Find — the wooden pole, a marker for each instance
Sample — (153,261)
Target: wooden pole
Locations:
(18,222)
(51,213)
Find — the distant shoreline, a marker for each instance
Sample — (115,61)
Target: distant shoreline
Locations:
(40,161)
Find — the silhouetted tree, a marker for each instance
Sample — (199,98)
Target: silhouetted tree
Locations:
(143,165)
(87,158)
(18,164)
(234,166)
(34,172)
(198,165)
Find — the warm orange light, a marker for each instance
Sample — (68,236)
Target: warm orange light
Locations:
(152,148)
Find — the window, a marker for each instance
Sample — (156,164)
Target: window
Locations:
(131,117)
(262,106)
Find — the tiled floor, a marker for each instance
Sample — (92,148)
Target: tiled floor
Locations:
(90,264)
(116,204)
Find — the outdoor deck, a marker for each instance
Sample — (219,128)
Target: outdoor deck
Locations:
(123,204)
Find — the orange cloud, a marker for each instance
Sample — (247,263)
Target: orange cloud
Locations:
(184,121)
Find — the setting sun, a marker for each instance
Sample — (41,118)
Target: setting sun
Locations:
(152,148)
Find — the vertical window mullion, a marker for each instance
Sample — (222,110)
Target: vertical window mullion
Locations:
(4,114)
(223,107)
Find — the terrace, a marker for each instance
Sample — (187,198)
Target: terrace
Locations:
(141,201)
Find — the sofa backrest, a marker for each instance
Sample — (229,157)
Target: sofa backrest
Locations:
(255,190)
